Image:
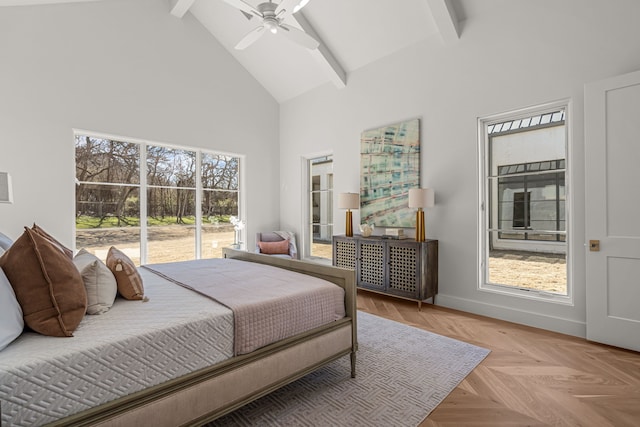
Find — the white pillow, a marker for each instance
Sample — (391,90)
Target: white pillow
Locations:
(98,280)
(5,241)
(11,321)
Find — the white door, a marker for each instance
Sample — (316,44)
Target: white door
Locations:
(612,144)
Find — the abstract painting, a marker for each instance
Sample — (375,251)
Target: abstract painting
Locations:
(389,167)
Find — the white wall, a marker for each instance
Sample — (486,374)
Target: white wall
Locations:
(527,147)
(125,68)
(522,54)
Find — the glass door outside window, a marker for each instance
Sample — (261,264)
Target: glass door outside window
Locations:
(320,225)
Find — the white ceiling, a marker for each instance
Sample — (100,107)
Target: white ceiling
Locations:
(352,34)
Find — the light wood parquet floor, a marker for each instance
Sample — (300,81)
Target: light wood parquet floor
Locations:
(532,377)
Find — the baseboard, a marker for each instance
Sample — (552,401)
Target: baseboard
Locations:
(536,320)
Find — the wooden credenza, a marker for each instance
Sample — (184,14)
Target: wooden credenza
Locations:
(402,268)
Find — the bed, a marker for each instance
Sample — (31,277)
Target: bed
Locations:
(194,378)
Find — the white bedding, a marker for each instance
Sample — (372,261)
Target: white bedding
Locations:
(131,347)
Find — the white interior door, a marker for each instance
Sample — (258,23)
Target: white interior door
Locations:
(612,144)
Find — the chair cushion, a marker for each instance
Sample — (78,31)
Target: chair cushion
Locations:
(5,242)
(273,248)
(270,237)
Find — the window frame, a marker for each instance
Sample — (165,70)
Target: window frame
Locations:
(143,186)
(527,178)
(484,200)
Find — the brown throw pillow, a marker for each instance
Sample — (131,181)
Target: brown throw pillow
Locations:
(47,285)
(274,248)
(68,252)
(126,274)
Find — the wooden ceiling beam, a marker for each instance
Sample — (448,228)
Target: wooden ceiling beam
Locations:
(180,7)
(322,54)
(446,20)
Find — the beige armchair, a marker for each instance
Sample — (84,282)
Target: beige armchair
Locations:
(277,243)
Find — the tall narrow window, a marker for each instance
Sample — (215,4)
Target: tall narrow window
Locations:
(320,225)
(523,202)
(107,196)
(220,177)
(177,206)
(171,204)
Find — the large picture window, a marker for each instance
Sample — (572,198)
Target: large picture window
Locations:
(156,203)
(523,231)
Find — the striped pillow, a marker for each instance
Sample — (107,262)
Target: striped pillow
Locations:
(126,274)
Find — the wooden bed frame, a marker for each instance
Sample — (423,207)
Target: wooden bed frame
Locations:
(212,392)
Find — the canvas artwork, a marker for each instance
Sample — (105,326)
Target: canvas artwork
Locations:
(389,167)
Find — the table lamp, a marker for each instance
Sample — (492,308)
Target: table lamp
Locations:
(421,198)
(348,201)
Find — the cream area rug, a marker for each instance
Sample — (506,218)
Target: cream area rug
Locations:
(402,374)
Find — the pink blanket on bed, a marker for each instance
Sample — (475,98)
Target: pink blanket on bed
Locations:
(269,303)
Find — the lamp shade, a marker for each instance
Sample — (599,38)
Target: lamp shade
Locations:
(421,197)
(348,201)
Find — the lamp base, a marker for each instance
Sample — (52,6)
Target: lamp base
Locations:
(349,225)
(420,233)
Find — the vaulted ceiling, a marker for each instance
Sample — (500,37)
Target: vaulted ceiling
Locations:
(352,34)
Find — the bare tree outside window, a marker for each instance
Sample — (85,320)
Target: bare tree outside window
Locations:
(107,196)
(111,192)
(220,188)
(171,203)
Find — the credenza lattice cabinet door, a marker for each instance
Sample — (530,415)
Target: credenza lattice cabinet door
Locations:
(344,254)
(402,268)
(370,272)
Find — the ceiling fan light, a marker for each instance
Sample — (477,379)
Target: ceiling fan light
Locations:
(300,5)
(271,25)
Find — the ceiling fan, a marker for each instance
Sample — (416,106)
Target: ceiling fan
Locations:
(273,15)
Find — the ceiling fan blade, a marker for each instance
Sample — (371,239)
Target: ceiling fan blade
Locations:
(250,38)
(286,7)
(244,6)
(299,36)
(300,5)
